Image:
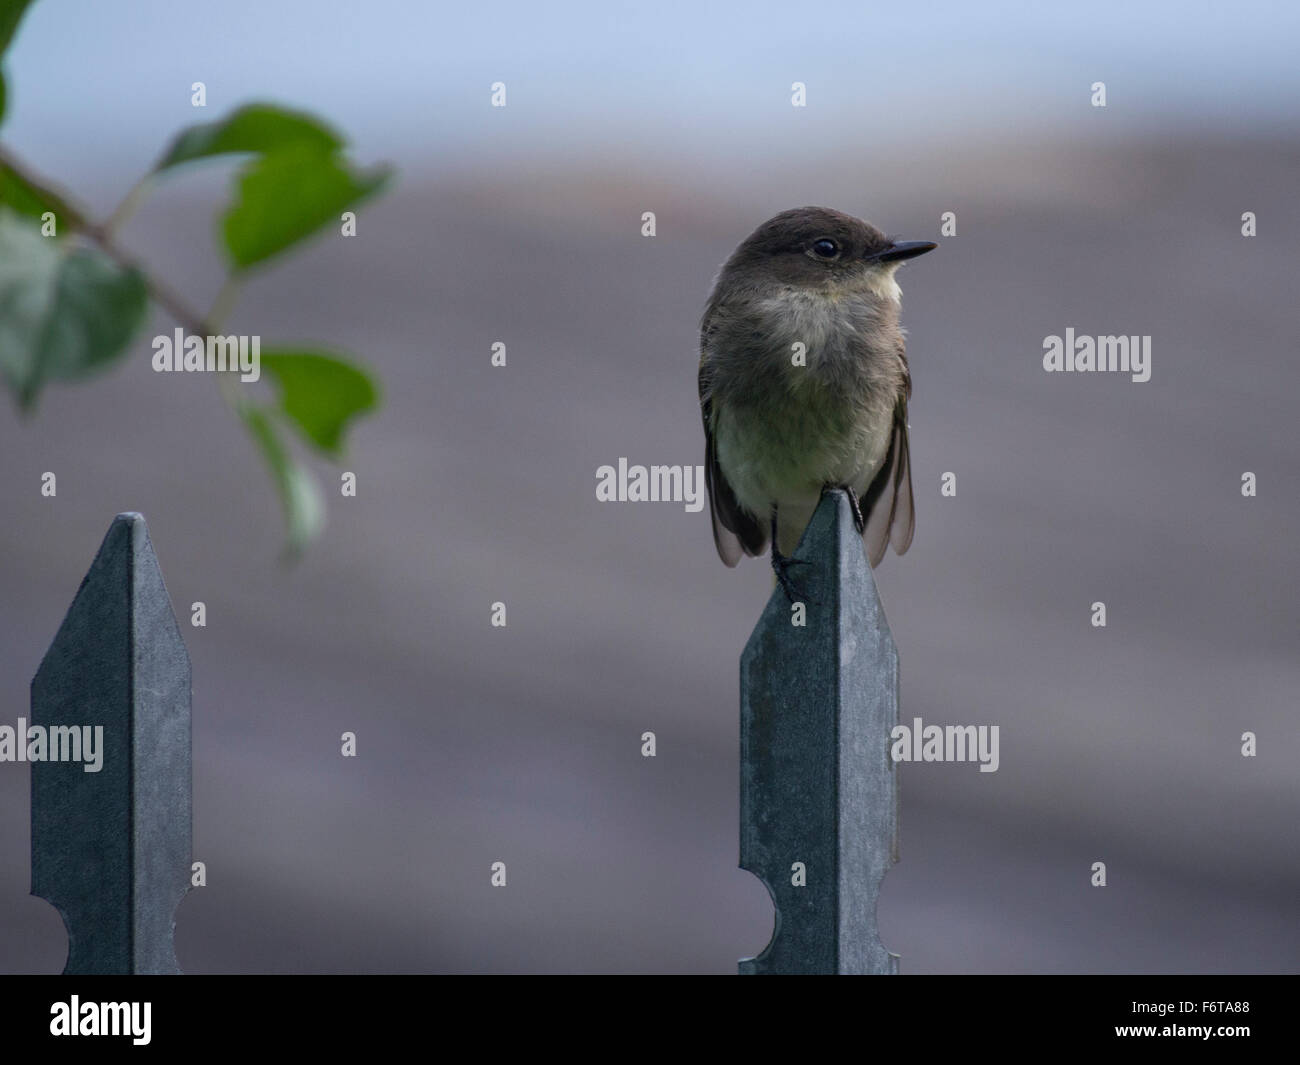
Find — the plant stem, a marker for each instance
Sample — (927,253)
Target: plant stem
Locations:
(130,203)
(220,310)
(225,301)
(102,235)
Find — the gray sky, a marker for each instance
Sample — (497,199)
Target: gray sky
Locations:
(410,81)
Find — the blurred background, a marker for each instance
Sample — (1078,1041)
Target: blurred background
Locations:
(522,225)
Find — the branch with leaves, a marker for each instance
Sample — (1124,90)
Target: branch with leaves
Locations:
(73,301)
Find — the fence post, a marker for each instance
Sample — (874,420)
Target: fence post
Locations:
(818,789)
(111,849)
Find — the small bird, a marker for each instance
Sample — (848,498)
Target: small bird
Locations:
(804,385)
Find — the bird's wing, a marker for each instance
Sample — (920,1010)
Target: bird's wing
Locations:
(887,505)
(735,531)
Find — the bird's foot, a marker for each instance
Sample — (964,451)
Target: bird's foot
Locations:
(781,567)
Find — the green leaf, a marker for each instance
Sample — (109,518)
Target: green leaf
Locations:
(253,128)
(11,13)
(304,511)
(320,394)
(287,196)
(65,311)
(32,200)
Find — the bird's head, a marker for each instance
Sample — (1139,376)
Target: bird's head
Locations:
(822,249)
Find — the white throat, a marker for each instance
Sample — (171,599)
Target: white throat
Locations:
(880,282)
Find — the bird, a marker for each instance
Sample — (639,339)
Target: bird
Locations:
(804,386)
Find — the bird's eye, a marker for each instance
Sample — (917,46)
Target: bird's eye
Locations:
(825,249)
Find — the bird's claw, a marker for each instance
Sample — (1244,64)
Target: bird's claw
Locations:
(781,567)
(859,522)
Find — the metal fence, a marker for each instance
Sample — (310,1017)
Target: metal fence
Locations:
(111,848)
(818,789)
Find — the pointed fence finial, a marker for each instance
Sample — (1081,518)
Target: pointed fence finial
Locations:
(111,846)
(818,789)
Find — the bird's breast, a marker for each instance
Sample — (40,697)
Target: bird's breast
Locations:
(783,454)
(804,391)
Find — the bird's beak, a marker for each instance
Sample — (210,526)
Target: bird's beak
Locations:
(902,249)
